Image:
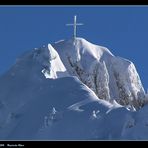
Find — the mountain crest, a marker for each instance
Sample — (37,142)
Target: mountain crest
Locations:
(110,77)
(53,91)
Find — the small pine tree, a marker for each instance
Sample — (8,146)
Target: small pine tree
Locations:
(52,115)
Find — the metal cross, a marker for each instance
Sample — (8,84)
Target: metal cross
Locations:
(75,24)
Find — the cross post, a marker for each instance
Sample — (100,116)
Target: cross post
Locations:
(75,24)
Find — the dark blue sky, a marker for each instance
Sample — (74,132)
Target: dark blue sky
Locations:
(122,29)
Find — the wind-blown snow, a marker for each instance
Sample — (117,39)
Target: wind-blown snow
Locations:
(56,68)
(25,118)
(110,77)
(44,59)
(72,90)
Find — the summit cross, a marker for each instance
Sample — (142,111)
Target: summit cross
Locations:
(75,24)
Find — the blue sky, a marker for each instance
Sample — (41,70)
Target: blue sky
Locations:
(122,29)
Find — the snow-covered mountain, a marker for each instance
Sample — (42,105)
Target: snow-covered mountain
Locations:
(110,77)
(28,95)
(71,90)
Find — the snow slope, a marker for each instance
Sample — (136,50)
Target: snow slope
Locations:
(29,91)
(26,109)
(44,59)
(72,93)
(29,68)
(110,77)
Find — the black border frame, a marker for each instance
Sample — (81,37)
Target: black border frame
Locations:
(54,144)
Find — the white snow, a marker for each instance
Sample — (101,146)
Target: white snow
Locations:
(28,120)
(56,69)
(110,77)
(72,90)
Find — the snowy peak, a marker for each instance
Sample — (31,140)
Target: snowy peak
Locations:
(81,54)
(43,60)
(110,77)
(50,61)
(80,49)
(92,92)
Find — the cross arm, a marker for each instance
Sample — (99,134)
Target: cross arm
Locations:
(69,24)
(79,24)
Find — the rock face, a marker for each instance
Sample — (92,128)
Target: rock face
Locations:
(110,77)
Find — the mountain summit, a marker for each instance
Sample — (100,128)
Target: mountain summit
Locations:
(110,77)
(72,89)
